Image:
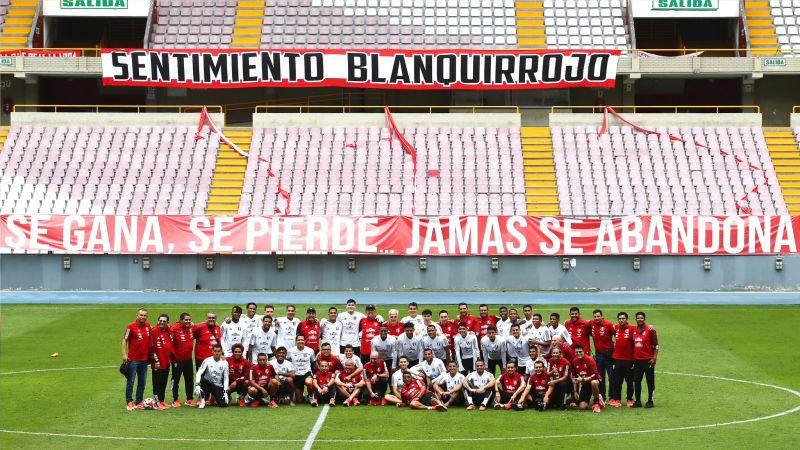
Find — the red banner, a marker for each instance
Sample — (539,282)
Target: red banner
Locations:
(41,53)
(376,69)
(401,235)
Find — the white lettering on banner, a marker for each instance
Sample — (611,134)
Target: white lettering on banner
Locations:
(384,69)
(477,235)
(194,227)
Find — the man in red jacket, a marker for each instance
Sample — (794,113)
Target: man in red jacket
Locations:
(603,337)
(645,354)
(206,335)
(623,361)
(369,327)
(310,330)
(183,344)
(163,356)
(136,350)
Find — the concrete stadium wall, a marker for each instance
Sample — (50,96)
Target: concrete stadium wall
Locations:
(488,118)
(379,273)
(110,118)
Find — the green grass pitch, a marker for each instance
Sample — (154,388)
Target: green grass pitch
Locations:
(756,344)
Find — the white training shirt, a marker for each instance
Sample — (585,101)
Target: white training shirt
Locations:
(419,324)
(530,365)
(232,333)
(541,334)
(284,368)
(495,350)
(562,331)
(410,348)
(350,323)
(356,360)
(215,372)
(432,370)
(518,348)
(450,381)
(301,359)
(250,324)
(438,344)
(261,342)
(286,330)
(387,349)
(503,327)
(477,381)
(466,348)
(331,333)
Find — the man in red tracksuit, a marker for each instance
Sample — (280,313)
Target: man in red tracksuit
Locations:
(183,344)
(206,335)
(645,354)
(163,356)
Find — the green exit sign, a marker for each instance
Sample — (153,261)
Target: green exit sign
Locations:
(774,62)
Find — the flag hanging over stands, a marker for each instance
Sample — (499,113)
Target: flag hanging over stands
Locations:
(363,69)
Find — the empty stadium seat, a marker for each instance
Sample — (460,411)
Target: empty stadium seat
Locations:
(390,23)
(786,17)
(479,171)
(3,12)
(625,172)
(193,24)
(106,170)
(586,23)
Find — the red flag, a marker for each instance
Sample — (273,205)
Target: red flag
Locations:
(393,130)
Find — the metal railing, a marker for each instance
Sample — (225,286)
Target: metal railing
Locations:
(368,98)
(116,108)
(717,109)
(380,108)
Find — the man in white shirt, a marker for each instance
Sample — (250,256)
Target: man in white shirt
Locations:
(517,348)
(212,379)
(432,367)
(427,319)
(410,345)
(436,342)
(503,323)
(493,350)
(350,355)
(396,382)
(540,335)
(414,318)
(286,327)
(526,323)
(331,330)
(302,358)
(262,340)
(557,329)
(351,319)
(386,346)
(534,357)
(250,320)
(466,349)
(448,386)
(478,387)
(233,332)
(284,370)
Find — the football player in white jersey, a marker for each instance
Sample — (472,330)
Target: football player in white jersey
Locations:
(396,381)
(262,340)
(517,348)
(540,335)
(286,327)
(557,329)
(251,320)
(431,366)
(233,332)
(414,318)
(410,345)
(212,379)
(427,319)
(331,330)
(351,319)
(386,346)
(448,386)
(466,347)
(493,350)
(478,387)
(284,370)
(435,341)
(302,358)
(503,322)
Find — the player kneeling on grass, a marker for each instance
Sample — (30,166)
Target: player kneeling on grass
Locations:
(285,371)
(239,370)
(212,379)
(376,377)
(448,386)
(263,382)
(478,387)
(323,389)
(349,384)
(416,395)
(585,381)
(538,391)
(509,389)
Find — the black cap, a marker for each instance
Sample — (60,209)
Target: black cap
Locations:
(370,307)
(311,310)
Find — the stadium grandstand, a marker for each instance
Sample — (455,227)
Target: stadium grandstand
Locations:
(183,165)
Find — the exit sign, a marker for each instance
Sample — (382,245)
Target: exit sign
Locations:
(774,62)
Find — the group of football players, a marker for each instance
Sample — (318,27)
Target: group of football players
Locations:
(505,362)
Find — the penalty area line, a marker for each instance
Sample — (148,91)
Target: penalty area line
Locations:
(312,436)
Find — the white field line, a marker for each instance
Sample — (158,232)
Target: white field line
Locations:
(317,426)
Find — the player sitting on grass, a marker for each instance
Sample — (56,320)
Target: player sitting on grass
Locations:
(323,389)
(349,383)
(376,377)
(285,371)
(509,389)
(239,369)
(585,381)
(417,396)
(212,379)
(559,379)
(263,382)
(397,382)
(538,391)
(478,387)
(448,386)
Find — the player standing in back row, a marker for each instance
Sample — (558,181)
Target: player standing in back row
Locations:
(645,355)
(136,350)
(350,320)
